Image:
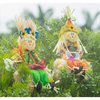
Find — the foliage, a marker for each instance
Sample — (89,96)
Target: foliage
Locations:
(39,19)
(89,20)
(42,15)
(48,38)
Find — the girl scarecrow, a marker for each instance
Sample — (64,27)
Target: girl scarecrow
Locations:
(26,53)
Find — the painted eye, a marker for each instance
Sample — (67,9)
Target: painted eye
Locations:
(71,27)
(23,33)
(32,33)
(72,33)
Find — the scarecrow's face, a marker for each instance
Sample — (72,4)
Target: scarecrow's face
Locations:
(71,36)
(28,42)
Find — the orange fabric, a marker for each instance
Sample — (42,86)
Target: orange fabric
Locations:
(20,50)
(77,63)
(69,22)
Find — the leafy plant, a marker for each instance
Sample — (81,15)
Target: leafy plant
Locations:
(45,44)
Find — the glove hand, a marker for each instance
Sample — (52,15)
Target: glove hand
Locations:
(56,89)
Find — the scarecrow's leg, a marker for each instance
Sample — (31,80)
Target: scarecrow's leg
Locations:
(44,77)
(35,76)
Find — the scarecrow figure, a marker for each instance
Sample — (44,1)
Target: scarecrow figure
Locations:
(26,53)
(70,48)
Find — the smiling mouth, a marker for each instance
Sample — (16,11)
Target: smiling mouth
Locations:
(72,36)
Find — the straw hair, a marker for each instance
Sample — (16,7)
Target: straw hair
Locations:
(23,23)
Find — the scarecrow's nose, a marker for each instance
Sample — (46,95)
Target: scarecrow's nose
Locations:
(72,35)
